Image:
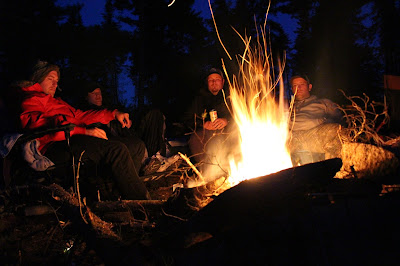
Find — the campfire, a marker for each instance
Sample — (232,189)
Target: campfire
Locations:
(262,119)
(260,112)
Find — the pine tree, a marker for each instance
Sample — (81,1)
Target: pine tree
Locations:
(168,53)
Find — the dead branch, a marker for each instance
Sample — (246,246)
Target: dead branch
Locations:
(77,187)
(123,204)
(361,117)
(192,166)
(100,226)
(173,216)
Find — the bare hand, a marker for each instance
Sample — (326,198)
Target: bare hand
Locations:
(96,132)
(209,125)
(219,123)
(123,118)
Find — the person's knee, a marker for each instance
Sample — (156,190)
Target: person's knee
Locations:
(118,148)
(141,148)
(136,146)
(141,151)
(193,139)
(195,143)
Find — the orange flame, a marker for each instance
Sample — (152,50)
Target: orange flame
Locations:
(261,119)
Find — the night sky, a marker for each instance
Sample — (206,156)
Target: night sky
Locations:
(92,10)
(92,15)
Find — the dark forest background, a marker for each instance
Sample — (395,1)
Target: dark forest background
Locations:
(342,44)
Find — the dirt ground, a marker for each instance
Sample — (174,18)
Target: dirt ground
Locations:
(343,222)
(36,227)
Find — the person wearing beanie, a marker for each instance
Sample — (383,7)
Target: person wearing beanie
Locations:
(41,70)
(93,100)
(206,141)
(146,144)
(209,99)
(94,96)
(41,110)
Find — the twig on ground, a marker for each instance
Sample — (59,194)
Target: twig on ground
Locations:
(184,157)
(77,188)
(173,216)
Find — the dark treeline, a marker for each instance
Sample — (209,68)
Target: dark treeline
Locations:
(343,44)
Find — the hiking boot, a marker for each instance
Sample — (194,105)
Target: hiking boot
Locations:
(152,166)
(167,163)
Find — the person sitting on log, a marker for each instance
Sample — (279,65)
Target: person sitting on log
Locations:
(314,121)
(40,109)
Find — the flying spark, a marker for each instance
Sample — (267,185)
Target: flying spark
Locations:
(170,4)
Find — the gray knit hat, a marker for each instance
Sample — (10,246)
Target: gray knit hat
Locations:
(41,70)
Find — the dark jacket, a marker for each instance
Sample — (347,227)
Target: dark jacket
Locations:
(204,102)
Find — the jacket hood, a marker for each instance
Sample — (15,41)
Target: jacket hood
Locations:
(34,90)
(22,84)
(35,87)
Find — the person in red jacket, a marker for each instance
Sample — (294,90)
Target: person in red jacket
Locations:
(40,110)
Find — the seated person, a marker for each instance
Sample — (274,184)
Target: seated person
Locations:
(93,100)
(314,121)
(40,109)
(208,144)
(145,144)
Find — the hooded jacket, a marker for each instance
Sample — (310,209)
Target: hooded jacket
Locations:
(41,111)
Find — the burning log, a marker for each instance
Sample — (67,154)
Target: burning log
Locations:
(255,199)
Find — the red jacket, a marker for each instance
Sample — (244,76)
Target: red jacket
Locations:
(40,110)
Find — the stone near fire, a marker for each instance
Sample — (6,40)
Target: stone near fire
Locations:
(367,161)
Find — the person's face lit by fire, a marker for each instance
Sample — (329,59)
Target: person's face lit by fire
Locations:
(95,97)
(215,83)
(50,82)
(301,88)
